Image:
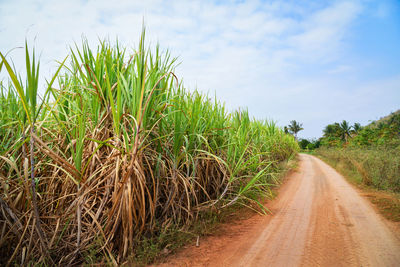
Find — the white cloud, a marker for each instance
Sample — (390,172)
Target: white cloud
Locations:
(323,32)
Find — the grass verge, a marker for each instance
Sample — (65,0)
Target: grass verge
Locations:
(385,199)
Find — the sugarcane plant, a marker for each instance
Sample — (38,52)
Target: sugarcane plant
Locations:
(120,151)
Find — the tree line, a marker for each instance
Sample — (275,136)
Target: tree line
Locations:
(385,131)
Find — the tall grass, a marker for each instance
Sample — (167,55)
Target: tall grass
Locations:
(119,151)
(376,166)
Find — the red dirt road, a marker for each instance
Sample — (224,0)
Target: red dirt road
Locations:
(318,220)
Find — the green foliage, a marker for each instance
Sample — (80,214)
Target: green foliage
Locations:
(356,128)
(375,166)
(294,127)
(345,129)
(123,152)
(306,144)
(383,132)
(371,152)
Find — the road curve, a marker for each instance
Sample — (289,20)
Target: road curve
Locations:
(318,220)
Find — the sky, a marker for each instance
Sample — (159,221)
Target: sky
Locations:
(316,62)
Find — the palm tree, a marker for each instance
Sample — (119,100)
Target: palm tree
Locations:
(332,130)
(295,127)
(329,130)
(356,128)
(345,129)
(286,130)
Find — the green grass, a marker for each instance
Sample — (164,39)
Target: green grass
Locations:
(375,170)
(378,167)
(117,152)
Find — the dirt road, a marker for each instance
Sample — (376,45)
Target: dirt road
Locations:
(318,220)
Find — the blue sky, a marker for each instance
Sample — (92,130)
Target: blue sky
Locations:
(313,61)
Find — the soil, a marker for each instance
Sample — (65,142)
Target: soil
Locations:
(318,219)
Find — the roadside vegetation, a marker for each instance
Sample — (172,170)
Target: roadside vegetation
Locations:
(369,156)
(373,151)
(116,152)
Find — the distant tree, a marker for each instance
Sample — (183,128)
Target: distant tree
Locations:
(303,143)
(309,144)
(394,124)
(356,128)
(385,131)
(286,130)
(332,130)
(295,127)
(345,129)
